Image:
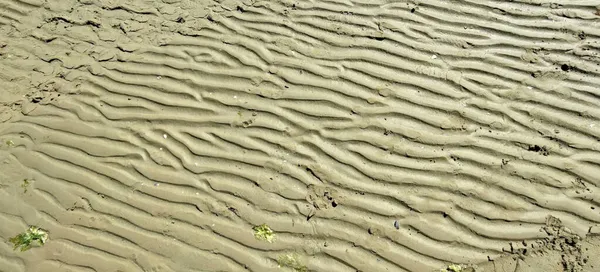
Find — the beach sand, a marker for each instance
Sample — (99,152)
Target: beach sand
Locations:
(336,135)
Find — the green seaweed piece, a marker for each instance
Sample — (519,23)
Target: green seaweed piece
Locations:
(32,236)
(264,232)
(291,261)
(24,185)
(454,268)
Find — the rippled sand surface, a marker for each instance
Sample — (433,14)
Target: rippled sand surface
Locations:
(159,135)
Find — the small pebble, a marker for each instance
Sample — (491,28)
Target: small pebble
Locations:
(396,224)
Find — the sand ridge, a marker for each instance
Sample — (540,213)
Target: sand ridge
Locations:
(368,135)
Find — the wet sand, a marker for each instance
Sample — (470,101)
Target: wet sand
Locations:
(367,135)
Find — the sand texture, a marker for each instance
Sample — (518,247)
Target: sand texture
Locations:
(159,135)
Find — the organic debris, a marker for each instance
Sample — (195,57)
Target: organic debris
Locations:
(264,232)
(32,236)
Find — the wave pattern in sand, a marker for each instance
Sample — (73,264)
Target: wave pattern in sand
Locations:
(369,135)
